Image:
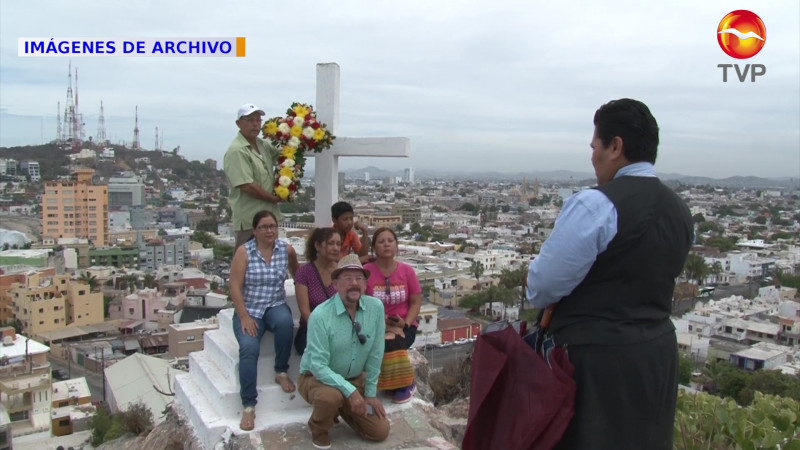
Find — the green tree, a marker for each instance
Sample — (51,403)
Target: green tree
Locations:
(724,244)
(131,281)
(715,270)
(512,279)
(473,301)
(709,226)
(100,424)
(209,225)
(500,294)
(696,268)
(476,270)
(149,281)
(697,218)
(685,366)
(223,251)
(106,303)
(203,238)
(91,280)
(469,207)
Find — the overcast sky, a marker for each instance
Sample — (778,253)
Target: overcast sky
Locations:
(476,85)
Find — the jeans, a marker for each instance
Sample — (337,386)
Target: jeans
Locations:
(278,320)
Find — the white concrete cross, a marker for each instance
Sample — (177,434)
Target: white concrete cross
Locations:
(326,164)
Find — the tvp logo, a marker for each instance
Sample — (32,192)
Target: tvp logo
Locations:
(741,34)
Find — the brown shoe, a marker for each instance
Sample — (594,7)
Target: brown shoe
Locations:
(321,440)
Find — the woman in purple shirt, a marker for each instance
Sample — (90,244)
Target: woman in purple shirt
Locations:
(313,283)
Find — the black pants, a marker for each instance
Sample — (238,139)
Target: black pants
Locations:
(625,395)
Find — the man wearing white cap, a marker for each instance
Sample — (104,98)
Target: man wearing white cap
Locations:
(249,165)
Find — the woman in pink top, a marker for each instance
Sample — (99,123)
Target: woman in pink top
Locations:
(397,286)
(312,282)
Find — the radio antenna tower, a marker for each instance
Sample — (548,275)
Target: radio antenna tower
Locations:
(59,137)
(69,111)
(101,127)
(156,148)
(135,145)
(77,123)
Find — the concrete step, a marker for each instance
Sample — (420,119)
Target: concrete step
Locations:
(222,349)
(203,415)
(223,386)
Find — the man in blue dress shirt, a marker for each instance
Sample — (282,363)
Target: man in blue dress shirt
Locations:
(609,267)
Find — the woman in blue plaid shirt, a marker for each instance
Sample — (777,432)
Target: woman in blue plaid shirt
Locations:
(258,273)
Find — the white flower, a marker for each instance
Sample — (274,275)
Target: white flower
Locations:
(308,132)
(299,120)
(285,181)
(288,162)
(293,142)
(284,128)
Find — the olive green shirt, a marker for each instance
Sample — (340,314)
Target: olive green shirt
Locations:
(243,166)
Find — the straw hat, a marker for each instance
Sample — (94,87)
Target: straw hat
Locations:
(349,262)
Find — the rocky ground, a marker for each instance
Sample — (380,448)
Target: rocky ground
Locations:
(419,426)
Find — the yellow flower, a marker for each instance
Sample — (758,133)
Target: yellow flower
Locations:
(270,128)
(288,152)
(282,192)
(286,172)
(319,133)
(296,131)
(300,110)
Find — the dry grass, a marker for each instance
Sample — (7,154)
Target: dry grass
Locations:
(452,382)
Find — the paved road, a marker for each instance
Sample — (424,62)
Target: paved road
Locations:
(440,357)
(739,289)
(95,380)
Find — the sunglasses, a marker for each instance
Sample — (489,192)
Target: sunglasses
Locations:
(357,328)
(388,289)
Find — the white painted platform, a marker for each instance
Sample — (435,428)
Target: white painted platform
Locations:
(208,396)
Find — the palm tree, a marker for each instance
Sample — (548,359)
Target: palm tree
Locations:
(149,281)
(91,280)
(500,294)
(476,270)
(696,268)
(716,269)
(131,282)
(512,279)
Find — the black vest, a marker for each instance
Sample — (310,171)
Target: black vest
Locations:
(627,295)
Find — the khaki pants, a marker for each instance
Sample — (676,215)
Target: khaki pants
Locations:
(327,402)
(242,236)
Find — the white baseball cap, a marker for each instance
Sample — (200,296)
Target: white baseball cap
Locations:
(247,109)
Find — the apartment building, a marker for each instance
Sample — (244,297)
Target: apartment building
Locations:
(42,302)
(185,338)
(25,383)
(125,189)
(75,208)
(380,220)
(157,252)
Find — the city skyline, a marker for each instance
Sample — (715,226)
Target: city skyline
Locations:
(506,87)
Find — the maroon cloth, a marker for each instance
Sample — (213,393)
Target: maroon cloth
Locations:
(516,400)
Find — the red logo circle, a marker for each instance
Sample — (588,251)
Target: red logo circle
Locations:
(741,34)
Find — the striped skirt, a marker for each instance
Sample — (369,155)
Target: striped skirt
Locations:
(396,370)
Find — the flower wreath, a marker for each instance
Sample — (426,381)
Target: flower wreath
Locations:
(296,133)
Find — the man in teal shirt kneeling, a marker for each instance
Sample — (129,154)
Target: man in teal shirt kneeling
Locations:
(340,367)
